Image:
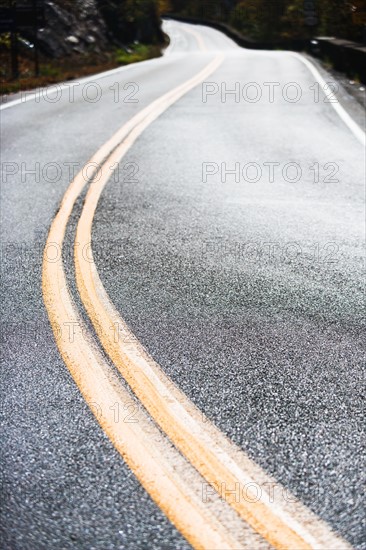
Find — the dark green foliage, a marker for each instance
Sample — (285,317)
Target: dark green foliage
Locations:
(270,20)
(132,20)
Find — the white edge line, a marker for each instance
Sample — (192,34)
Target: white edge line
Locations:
(340,110)
(90,78)
(342,113)
(58,86)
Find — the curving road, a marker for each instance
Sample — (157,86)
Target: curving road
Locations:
(229,236)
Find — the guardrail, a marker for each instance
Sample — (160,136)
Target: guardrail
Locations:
(345,56)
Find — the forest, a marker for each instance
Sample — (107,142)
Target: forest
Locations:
(79,37)
(281,19)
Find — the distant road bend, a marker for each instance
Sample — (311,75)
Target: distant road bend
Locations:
(186,236)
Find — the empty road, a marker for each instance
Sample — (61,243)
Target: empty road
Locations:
(183,305)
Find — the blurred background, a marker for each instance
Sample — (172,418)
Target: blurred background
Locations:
(42,42)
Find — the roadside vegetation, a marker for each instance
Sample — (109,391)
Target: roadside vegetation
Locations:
(279,19)
(69,68)
(125,31)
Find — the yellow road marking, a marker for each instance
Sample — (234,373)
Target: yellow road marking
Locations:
(88,371)
(172,482)
(198,37)
(160,468)
(218,461)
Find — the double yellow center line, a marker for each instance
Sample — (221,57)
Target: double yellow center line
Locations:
(173,476)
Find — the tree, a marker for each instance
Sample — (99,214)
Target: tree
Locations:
(130,20)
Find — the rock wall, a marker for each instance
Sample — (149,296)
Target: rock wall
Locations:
(72,26)
(82,26)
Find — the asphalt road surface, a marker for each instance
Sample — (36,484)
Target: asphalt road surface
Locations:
(230,239)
